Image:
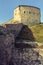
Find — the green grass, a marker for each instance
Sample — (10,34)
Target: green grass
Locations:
(37,31)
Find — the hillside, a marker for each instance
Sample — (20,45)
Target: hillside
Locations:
(33,33)
(15,45)
(37,31)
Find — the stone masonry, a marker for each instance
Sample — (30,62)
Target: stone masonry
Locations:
(28,15)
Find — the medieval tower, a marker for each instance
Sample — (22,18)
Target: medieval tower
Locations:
(27,14)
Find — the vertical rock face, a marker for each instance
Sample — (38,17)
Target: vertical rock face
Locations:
(10,54)
(3,53)
(6,48)
(26,33)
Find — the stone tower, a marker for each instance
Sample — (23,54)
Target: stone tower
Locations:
(27,14)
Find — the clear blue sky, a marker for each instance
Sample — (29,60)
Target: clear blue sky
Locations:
(7,7)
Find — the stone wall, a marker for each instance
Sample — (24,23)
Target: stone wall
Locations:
(27,15)
(17,15)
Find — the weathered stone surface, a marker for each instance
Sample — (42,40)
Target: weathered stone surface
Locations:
(26,15)
(6,43)
(10,54)
(26,56)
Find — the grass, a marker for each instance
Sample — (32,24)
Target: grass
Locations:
(37,31)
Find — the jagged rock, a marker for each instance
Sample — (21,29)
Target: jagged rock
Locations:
(11,53)
(18,56)
(6,43)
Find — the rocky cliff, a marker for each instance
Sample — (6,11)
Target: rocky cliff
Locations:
(17,50)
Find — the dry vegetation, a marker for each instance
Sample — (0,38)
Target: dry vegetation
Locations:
(37,32)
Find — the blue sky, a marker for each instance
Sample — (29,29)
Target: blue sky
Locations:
(7,8)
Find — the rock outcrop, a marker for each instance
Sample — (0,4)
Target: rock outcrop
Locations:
(14,51)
